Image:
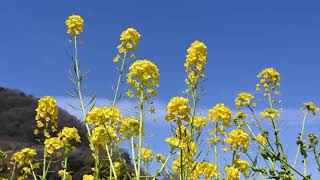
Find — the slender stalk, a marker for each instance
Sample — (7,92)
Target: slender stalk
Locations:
(133,157)
(300,138)
(140,131)
(316,156)
(119,80)
(163,166)
(44,174)
(216,145)
(65,167)
(305,167)
(111,163)
(181,156)
(13,171)
(33,174)
(280,159)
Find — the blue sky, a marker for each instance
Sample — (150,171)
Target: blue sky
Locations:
(243,37)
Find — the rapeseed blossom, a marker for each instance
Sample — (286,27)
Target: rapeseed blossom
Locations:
(178,109)
(146,155)
(243,99)
(47,115)
(100,116)
(103,135)
(269,79)
(75,25)
(24,156)
(195,60)
(238,138)
(129,40)
(232,173)
(87,177)
(242,165)
(220,112)
(310,106)
(270,113)
(129,127)
(143,76)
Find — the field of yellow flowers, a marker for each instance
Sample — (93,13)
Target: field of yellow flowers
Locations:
(228,135)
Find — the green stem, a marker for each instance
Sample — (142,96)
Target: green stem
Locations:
(65,167)
(280,159)
(140,131)
(32,170)
(119,80)
(215,145)
(44,174)
(133,157)
(163,166)
(300,138)
(305,167)
(13,170)
(111,163)
(316,156)
(181,156)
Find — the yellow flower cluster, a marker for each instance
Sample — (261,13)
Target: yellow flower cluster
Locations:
(178,109)
(129,127)
(220,112)
(232,173)
(87,177)
(117,167)
(242,165)
(195,61)
(63,173)
(209,170)
(75,25)
(240,116)
(238,138)
(269,79)
(146,155)
(181,139)
(103,135)
(262,139)
(188,152)
(100,116)
(159,158)
(270,113)
(63,140)
(143,74)
(24,156)
(243,99)
(47,114)
(129,40)
(310,106)
(200,121)
(52,144)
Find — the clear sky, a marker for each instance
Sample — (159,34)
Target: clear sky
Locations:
(243,37)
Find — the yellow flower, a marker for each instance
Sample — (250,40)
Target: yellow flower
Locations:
(102,136)
(146,155)
(68,134)
(52,144)
(269,79)
(117,167)
(143,75)
(238,138)
(270,113)
(87,177)
(178,108)
(75,25)
(220,112)
(47,113)
(310,106)
(195,61)
(262,139)
(209,170)
(242,165)
(129,127)
(104,116)
(240,116)
(160,158)
(24,156)
(232,173)
(243,99)
(129,40)
(200,121)
(63,173)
